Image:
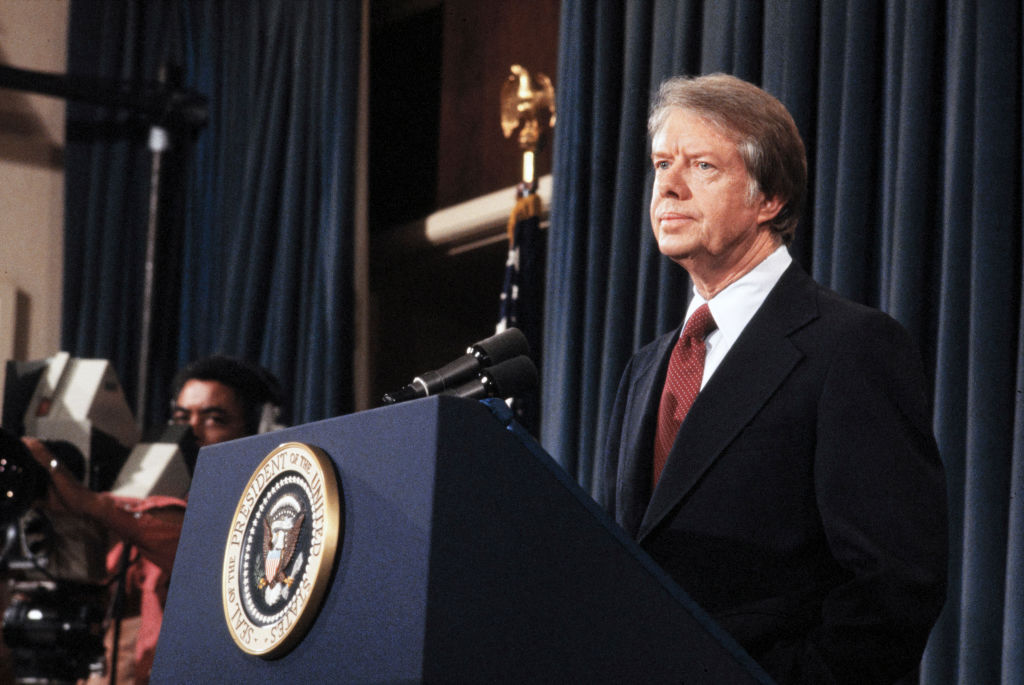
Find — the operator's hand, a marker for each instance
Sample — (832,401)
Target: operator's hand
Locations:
(65,492)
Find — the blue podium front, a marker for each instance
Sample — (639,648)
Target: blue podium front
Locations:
(465,554)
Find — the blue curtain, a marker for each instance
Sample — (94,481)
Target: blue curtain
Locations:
(911,112)
(255,251)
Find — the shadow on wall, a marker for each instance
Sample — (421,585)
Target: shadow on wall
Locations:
(24,138)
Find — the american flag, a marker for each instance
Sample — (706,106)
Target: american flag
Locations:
(522,294)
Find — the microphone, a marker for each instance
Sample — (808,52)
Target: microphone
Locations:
(506,379)
(493,350)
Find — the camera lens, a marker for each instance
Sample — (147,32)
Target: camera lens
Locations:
(22,479)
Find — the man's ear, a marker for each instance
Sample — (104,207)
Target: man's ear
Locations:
(769,209)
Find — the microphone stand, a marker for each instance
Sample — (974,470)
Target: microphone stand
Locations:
(165,107)
(117,610)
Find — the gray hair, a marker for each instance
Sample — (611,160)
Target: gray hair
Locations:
(765,135)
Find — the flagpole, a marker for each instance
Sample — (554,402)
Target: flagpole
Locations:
(528,172)
(527,104)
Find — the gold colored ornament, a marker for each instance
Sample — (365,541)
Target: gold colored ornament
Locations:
(524,102)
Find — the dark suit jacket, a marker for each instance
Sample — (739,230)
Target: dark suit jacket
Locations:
(803,504)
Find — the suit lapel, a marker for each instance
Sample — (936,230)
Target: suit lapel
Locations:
(634,474)
(757,364)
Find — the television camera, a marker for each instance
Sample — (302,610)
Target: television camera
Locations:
(53,563)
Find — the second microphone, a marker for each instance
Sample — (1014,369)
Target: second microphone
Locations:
(500,347)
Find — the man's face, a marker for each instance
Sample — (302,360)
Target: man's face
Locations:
(211,409)
(701,209)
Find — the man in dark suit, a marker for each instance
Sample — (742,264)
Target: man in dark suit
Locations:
(799,497)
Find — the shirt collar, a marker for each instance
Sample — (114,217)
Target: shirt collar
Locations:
(735,306)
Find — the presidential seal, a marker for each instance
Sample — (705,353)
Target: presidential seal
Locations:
(281,550)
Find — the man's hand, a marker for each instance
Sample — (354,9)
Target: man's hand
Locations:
(65,493)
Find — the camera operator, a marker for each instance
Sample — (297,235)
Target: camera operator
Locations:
(220,399)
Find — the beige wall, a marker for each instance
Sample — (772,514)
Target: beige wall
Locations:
(33,35)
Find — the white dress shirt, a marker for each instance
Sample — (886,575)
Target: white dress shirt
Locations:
(735,306)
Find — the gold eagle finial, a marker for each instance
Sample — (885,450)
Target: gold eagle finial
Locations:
(523,103)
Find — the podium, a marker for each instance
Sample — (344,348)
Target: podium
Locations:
(466,555)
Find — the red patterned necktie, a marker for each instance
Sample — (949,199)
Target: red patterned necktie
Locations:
(682,383)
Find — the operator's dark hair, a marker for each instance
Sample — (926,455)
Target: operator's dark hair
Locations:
(253,385)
